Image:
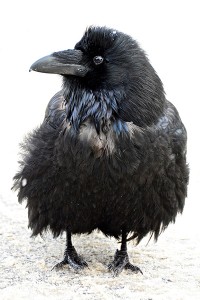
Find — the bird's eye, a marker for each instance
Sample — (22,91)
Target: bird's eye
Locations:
(98,60)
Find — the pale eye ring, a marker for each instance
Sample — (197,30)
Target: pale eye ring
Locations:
(98,60)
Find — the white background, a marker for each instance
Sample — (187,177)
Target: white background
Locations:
(167,30)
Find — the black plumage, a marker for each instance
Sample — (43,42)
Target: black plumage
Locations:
(111,151)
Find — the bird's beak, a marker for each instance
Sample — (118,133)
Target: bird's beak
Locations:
(68,62)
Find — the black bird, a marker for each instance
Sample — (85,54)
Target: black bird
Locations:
(111,151)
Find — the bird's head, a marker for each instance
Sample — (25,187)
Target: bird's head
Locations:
(106,59)
(102,58)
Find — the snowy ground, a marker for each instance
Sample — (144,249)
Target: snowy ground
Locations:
(171,266)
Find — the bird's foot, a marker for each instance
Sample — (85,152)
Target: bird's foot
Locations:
(120,262)
(73,259)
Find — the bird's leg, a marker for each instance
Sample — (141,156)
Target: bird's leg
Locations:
(70,256)
(121,259)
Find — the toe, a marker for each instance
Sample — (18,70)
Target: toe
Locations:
(77,263)
(60,265)
(133,268)
(120,262)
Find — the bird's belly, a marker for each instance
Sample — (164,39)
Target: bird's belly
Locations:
(99,205)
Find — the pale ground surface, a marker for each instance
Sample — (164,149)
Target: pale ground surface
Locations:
(171,267)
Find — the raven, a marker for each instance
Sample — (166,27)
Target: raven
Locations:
(111,152)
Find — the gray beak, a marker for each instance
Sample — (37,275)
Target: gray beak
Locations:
(68,62)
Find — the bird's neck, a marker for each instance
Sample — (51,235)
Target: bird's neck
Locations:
(101,107)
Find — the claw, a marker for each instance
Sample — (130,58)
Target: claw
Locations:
(133,268)
(120,262)
(71,258)
(59,265)
(77,262)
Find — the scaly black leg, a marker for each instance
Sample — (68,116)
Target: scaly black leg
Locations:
(121,259)
(70,256)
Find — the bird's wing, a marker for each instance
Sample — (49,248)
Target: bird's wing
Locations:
(55,111)
(170,132)
(170,122)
